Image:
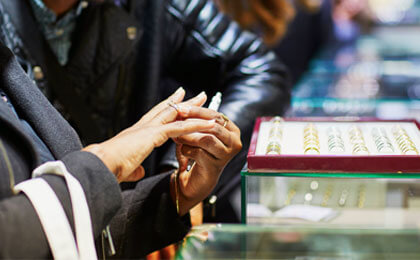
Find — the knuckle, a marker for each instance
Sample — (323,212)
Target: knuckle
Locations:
(237,145)
(198,151)
(208,140)
(217,129)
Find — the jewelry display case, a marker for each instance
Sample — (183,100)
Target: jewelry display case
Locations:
(335,171)
(299,242)
(334,145)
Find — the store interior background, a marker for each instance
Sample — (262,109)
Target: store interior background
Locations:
(370,68)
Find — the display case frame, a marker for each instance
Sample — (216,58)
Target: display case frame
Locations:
(287,163)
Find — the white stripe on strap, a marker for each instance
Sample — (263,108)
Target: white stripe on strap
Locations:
(82,220)
(52,217)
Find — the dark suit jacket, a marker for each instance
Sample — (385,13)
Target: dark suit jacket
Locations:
(143,219)
(115,79)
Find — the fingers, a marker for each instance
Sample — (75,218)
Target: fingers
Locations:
(198,100)
(218,140)
(208,114)
(171,105)
(218,131)
(224,121)
(197,154)
(171,110)
(207,142)
(200,112)
(179,128)
(167,115)
(176,97)
(200,156)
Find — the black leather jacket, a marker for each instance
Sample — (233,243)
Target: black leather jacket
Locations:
(119,56)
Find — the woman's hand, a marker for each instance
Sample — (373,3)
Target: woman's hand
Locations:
(124,153)
(211,149)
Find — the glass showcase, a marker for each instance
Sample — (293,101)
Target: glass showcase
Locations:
(299,243)
(369,200)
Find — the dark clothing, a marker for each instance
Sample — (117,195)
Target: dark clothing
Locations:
(119,56)
(305,37)
(148,209)
(43,151)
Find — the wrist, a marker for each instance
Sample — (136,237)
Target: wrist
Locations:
(99,152)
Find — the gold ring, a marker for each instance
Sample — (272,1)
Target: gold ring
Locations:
(336,146)
(273,148)
(277,135)
(277,120)
(311,142)
(360,149)
(405,148)
(173,105)
(226,120)
(311,148)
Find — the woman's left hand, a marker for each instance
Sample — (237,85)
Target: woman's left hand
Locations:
(211,150)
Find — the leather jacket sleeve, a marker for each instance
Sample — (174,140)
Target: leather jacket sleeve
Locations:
(210,52)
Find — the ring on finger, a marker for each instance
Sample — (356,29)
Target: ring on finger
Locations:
(173,105)
(226,119)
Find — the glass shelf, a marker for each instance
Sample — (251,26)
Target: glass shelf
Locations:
(352,199)
(299,242)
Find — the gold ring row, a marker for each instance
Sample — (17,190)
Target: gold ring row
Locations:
(335,141)
(357,140)
(404,141)
(382,142)
(275,136)
(311,139)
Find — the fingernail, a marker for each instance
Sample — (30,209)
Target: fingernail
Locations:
(202,94)
(179,92)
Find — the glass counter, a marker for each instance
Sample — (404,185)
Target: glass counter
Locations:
(299,243)
(333,199)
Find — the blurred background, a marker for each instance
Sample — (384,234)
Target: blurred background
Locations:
(368,65)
